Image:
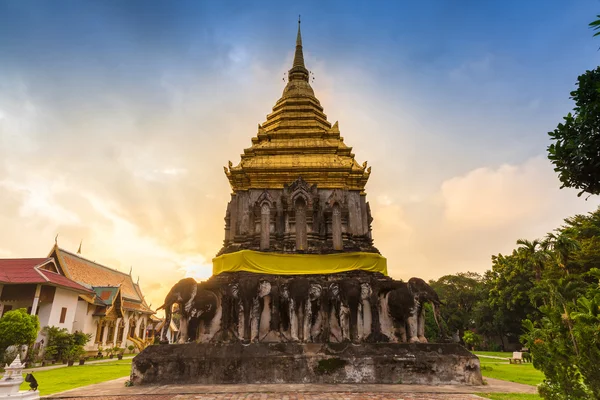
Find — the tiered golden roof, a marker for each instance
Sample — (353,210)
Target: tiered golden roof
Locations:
(297,140)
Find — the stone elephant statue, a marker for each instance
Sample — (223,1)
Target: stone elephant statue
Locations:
(249,300)
(205,306)
(195,304)
(182,294)
(405,305)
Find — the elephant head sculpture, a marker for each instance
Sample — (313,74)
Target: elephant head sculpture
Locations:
(202,311)
(405,304)
(182,294)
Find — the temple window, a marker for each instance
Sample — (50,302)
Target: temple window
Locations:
(111,333)
(265,222)
(301,239)
(337,228)
(131,327)
(100,332)
(63,315)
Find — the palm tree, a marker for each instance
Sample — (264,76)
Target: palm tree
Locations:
(563,246)
(535,254)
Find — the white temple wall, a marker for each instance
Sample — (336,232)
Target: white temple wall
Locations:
(63,299)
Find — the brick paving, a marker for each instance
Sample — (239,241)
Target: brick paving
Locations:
(293,396)
(116,390)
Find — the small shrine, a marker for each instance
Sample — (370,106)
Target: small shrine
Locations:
(12,380)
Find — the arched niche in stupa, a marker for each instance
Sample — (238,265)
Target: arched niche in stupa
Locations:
(300,210)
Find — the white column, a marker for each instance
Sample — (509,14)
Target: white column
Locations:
(36,299)
(116,337)
(126,330)
(104,333)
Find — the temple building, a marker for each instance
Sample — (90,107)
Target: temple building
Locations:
(114,311)
(298,188)
(68,291)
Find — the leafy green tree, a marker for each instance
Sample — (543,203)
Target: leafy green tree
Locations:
(563,246)
(534,255)
(472,339)
(575,152)
(511,283)
(18,328)
(460,294)
(489,320)
(565,342)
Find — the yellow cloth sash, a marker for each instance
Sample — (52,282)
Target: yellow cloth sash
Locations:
(298,264)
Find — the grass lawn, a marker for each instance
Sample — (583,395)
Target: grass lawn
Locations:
(493,353)
(59,379)
(520,373)
(509,396)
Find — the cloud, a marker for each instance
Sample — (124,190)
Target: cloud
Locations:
(470,217)
(473,68)
(508,196)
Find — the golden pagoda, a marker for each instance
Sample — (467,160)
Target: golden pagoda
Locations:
(298,190)
(297,140)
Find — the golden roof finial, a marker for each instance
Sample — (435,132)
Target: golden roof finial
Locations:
(298,70)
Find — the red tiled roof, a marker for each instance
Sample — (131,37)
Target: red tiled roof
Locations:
(28,270)
(128,305)
(91,273)
(21,270)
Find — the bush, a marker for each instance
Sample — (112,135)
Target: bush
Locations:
(74,352)
(472,339)
(63,345)
(18,328)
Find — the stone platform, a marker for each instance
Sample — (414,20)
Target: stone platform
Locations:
(203,363)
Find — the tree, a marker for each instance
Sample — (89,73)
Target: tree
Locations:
(18,328)
(534,254)
(459,294)
(565,342)
(472,339)
(510,284)
(575,152)
(563,246)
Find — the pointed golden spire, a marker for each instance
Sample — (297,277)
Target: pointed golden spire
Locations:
(299,56)
(298,71)
(79,250)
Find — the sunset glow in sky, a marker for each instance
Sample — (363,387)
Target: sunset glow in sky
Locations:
(117,117)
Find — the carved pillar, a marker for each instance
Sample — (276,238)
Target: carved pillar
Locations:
(265,225)
(354,220)
(301,239)
(363,214)
(233,218)
(337,228)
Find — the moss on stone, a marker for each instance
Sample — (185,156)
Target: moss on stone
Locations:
(330,365)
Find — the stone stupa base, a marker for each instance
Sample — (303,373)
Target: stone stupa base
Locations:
(30,395)
(205,363)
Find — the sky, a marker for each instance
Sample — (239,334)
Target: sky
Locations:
(117,117)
